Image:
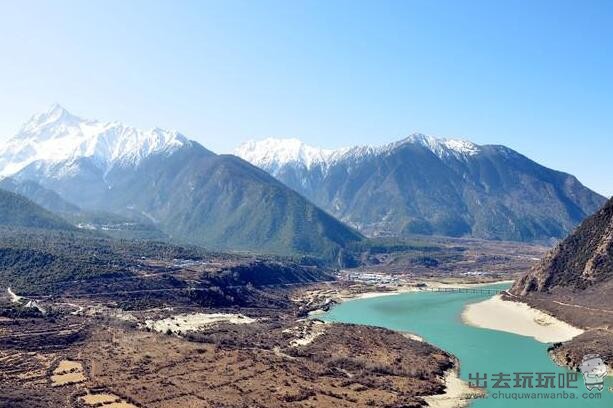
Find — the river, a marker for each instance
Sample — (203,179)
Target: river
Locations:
(436,317)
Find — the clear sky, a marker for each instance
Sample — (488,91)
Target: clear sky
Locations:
(536,76)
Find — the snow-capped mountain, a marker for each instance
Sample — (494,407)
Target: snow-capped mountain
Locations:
(428,185)
(419,184)
(59,136)
(190,193)
(273,155)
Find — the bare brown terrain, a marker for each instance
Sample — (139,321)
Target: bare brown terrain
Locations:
(574,282)
(173,329)
(597,321)
(225,365)
(444,256)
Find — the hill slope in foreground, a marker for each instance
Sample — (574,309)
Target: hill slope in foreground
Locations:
(575,282)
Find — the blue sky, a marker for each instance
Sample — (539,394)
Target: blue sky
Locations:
(536,76)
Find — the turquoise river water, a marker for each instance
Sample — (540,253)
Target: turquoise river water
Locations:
(436,317)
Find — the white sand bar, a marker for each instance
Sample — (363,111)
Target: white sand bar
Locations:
(518,318)
(195,321)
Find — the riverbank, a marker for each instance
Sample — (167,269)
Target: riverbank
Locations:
(396,290)
(518,318)
(332,294)
(435,318)
(457,393)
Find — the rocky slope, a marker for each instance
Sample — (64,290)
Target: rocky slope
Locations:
(575,283)
(582,263)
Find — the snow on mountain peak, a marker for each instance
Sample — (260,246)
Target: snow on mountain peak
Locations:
(56,113)
(272,154)
(440,146)
(57,135)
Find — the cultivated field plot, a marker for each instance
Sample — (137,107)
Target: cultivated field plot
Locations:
(263,362)
(162,371)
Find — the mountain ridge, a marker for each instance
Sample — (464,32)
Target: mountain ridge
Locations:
(582,260)
(426,185)
(58,136)
(574,282)
(273,153)
(192,194)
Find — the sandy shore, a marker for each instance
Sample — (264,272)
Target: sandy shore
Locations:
(518,318)
(457,393)
(195,321)
(343,295)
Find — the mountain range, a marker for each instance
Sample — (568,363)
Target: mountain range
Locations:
(426,185)
(283,196)
(161,177)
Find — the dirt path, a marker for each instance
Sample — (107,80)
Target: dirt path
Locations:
(14,297)
(593,309)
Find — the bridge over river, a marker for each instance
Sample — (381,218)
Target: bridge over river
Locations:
(486,291)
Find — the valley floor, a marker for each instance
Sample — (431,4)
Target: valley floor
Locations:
(206,333)
(180,357)
(235,357)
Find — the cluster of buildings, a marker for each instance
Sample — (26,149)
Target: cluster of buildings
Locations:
(370,277)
